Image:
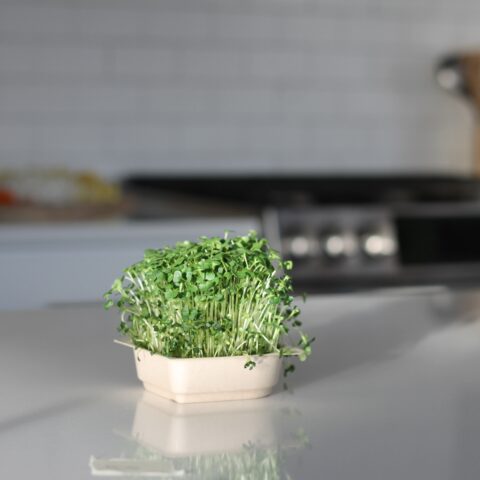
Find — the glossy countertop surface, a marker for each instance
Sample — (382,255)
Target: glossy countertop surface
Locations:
(392,391)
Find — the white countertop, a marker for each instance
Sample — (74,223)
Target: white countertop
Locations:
(392,391)
(36,259)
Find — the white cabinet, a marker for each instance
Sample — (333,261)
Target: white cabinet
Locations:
(41,265)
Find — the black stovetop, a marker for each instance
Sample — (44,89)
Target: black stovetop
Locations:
(260,191)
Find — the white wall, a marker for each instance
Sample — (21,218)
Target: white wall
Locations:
(224,85)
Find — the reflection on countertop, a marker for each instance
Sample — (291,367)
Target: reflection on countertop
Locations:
(230,440)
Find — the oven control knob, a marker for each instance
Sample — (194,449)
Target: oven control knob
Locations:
(378,245)
(338,245)
(301,246)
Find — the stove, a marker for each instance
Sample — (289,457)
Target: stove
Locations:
(345,233)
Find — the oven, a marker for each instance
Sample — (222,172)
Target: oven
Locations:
(344,233)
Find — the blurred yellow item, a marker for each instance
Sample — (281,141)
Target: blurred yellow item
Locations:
(58,195)
(59,187)
(92,189)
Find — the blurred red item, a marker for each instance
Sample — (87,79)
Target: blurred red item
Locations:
(6,197)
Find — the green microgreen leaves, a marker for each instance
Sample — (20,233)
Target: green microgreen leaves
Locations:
(215,297)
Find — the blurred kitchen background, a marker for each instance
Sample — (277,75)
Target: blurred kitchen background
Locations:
(127,124)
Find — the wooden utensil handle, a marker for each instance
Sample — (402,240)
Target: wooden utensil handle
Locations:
(476,149)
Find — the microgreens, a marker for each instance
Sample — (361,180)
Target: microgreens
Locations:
(211,298)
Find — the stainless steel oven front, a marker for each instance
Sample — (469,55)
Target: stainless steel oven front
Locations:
(352,246)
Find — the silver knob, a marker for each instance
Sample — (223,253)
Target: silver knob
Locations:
(301,246)
(378,245)
(338,245)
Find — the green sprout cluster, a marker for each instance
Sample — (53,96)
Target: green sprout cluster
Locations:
(212,298)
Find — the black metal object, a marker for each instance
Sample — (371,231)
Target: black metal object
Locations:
(428,223)
(261,191)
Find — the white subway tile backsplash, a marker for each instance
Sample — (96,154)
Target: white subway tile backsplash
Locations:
(278,65)
(107,20)
(212,137)
(66,60)
(254,27)
(73,99)
(15,60)
(67,138)
(223,85)
(179,24)
(214,65)
(16,137)
(241,103)
(141,137)
(27,18)
(165,102)
(137,62)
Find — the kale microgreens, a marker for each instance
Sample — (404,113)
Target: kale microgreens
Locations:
(212,298)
